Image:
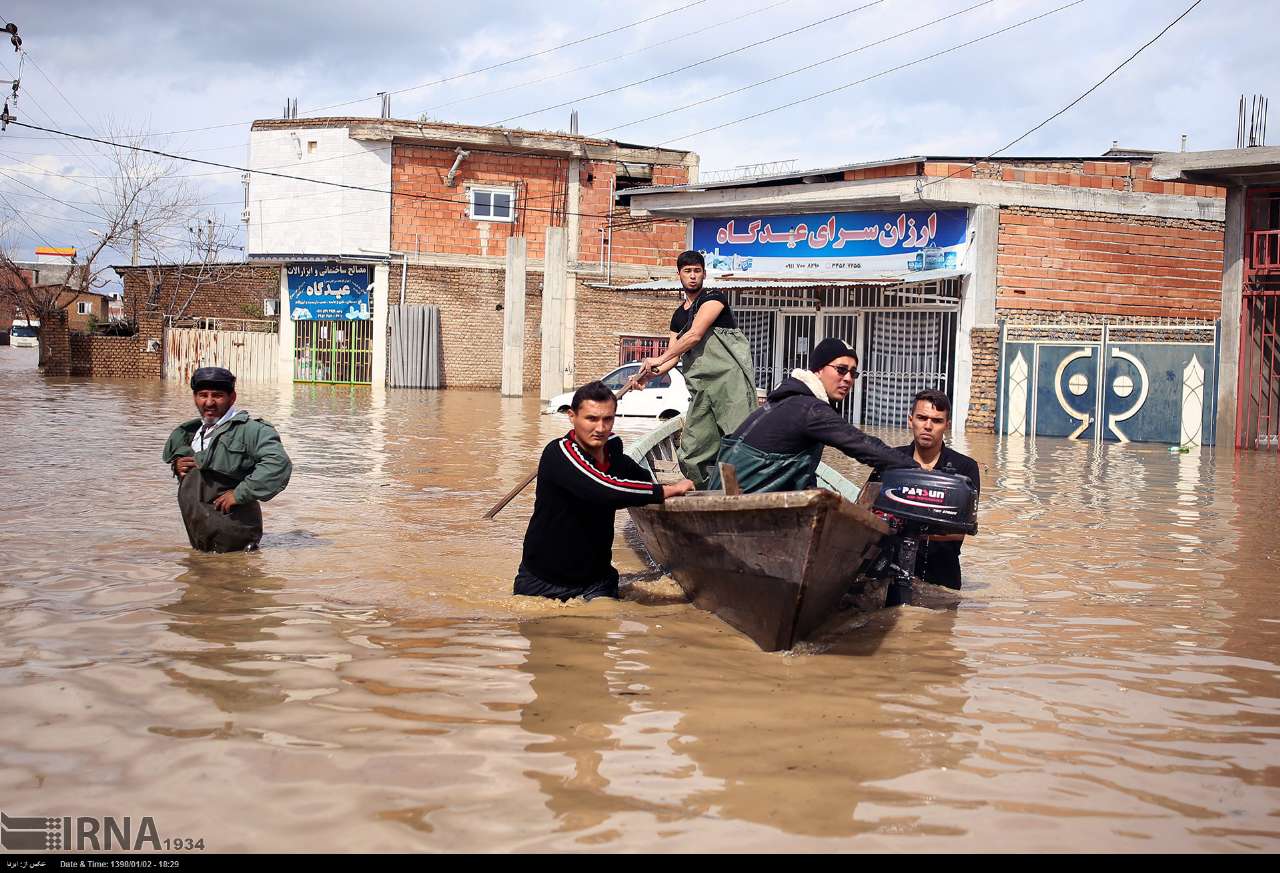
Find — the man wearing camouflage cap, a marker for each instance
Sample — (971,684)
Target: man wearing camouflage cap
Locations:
(226,463)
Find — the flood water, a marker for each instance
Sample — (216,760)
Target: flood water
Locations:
(1108,680)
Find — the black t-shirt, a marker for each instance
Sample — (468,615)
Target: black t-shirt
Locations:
(939,563)
(682,319)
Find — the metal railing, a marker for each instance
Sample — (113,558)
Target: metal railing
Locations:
(1264,250)
(248,325)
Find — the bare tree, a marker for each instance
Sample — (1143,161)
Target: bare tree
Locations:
(175,279)
(142,206)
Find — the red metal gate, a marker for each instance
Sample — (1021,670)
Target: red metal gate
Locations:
(1258,378)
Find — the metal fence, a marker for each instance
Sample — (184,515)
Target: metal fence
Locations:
(415,347)
(333,351)
(904,336)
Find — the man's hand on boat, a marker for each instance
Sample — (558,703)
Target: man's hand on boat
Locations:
(184,465)
(684,486)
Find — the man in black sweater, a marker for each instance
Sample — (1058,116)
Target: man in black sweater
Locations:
(938,560)
(779,446)
(583,479)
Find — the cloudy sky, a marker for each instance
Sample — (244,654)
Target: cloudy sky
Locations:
(192,77)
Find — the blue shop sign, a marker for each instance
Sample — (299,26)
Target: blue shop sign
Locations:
(328,292)
(833,244)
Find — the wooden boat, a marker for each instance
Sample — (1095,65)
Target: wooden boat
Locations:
(774,566)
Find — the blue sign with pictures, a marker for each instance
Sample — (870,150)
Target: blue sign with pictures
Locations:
(328,292)
(835,244)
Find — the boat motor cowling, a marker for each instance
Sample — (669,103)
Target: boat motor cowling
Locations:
(922,502)
(917,503)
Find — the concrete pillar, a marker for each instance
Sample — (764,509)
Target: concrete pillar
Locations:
(977,305)
(573,232)
(1229,337)
(284,363)
(513,318)
(381,276)
(573,205)
(554,289)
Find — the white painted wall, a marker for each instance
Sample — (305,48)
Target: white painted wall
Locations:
(289,216)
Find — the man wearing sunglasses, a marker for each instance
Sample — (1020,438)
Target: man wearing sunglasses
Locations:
(779,446)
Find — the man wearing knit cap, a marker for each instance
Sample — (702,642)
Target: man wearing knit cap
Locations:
(779,446)
(226,463)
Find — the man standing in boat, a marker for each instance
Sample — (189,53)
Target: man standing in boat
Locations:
(779,446)
(583,479)
(717,367)
(938,560)
(226,463)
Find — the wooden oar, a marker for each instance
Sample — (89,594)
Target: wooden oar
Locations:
(533,474)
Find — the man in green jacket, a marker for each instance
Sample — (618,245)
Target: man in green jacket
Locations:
(226,463)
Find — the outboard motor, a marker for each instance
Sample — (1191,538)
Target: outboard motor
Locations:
(917,503)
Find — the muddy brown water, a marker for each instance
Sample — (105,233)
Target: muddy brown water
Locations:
(1107,681)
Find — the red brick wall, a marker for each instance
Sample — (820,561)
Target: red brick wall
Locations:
(604,316)
(984,342)
(1131,176)
(886,172)
(442,227)
(471,327)
(650,243)
(1119,175)
(125,357)
(238,292)
(55,345)
(1083,262)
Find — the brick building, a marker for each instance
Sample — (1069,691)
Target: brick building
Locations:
(1047,295)
(433,209)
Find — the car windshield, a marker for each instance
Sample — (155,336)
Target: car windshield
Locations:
(22,330)
(622,375)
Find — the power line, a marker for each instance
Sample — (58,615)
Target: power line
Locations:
(700,63)
(797,70)
(23,219)
(456,76)
(609,60)
(873,76)
(38,105)
(325,182)
(920,187)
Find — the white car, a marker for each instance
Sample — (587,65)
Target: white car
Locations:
(665,397)
(25,334)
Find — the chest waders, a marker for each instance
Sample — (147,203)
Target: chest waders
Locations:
(760,471)
(722,393)
(208,529)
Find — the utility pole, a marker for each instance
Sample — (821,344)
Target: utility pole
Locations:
(208,239)
(137,242)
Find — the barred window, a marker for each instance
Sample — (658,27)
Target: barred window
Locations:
(637,348)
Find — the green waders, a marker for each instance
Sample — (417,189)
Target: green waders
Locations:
(722,393)
(758,471)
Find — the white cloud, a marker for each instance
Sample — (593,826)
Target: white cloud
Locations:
(178,66)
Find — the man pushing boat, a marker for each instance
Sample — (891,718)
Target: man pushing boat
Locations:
(779,446)
(583,479)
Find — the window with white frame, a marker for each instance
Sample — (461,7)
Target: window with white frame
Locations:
(492,204)
(84,307)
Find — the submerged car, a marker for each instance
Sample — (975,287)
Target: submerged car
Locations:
(664,397)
